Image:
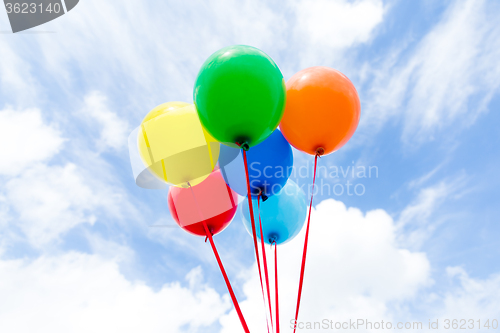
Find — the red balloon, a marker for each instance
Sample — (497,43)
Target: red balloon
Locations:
(211,201)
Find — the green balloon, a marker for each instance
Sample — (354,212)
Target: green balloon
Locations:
(240,95)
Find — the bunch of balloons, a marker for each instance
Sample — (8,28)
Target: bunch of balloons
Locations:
(203,151)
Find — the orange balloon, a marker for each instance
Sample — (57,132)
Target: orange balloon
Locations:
(322,110)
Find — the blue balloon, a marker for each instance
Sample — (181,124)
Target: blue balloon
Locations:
(283,215)
(269,166)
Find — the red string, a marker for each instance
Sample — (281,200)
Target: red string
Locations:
(229,288)
(221,266)
(304,254)
(276,286)
(265,265)
(254,233)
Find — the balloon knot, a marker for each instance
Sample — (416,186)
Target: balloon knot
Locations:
(273,239)
(245,146)
(211,234)
(261,195)
(320,151)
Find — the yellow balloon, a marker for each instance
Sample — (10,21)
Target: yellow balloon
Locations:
(174,145)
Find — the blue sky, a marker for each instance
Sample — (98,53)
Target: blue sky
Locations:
(77,248)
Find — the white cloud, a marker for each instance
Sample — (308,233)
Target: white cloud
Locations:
(415,221)
(355,268)
(175,38)
(337,24)
(16,82)
(45,201)
(417,183)
(48,201)
(427,200)
(148,54)
(25,140)
(322,32)
(454,63)
(471,297)
(4,216)
(86,293)
(113,127)
(448,79)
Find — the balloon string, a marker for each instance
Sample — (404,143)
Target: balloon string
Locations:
(221,266)
(265,267)
(254,233)
(276,286)
(304,254)
(229,288)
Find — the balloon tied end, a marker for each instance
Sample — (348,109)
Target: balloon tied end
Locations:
(211,234)
(245,146)
(273,239)
(261,195)
(320,151)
